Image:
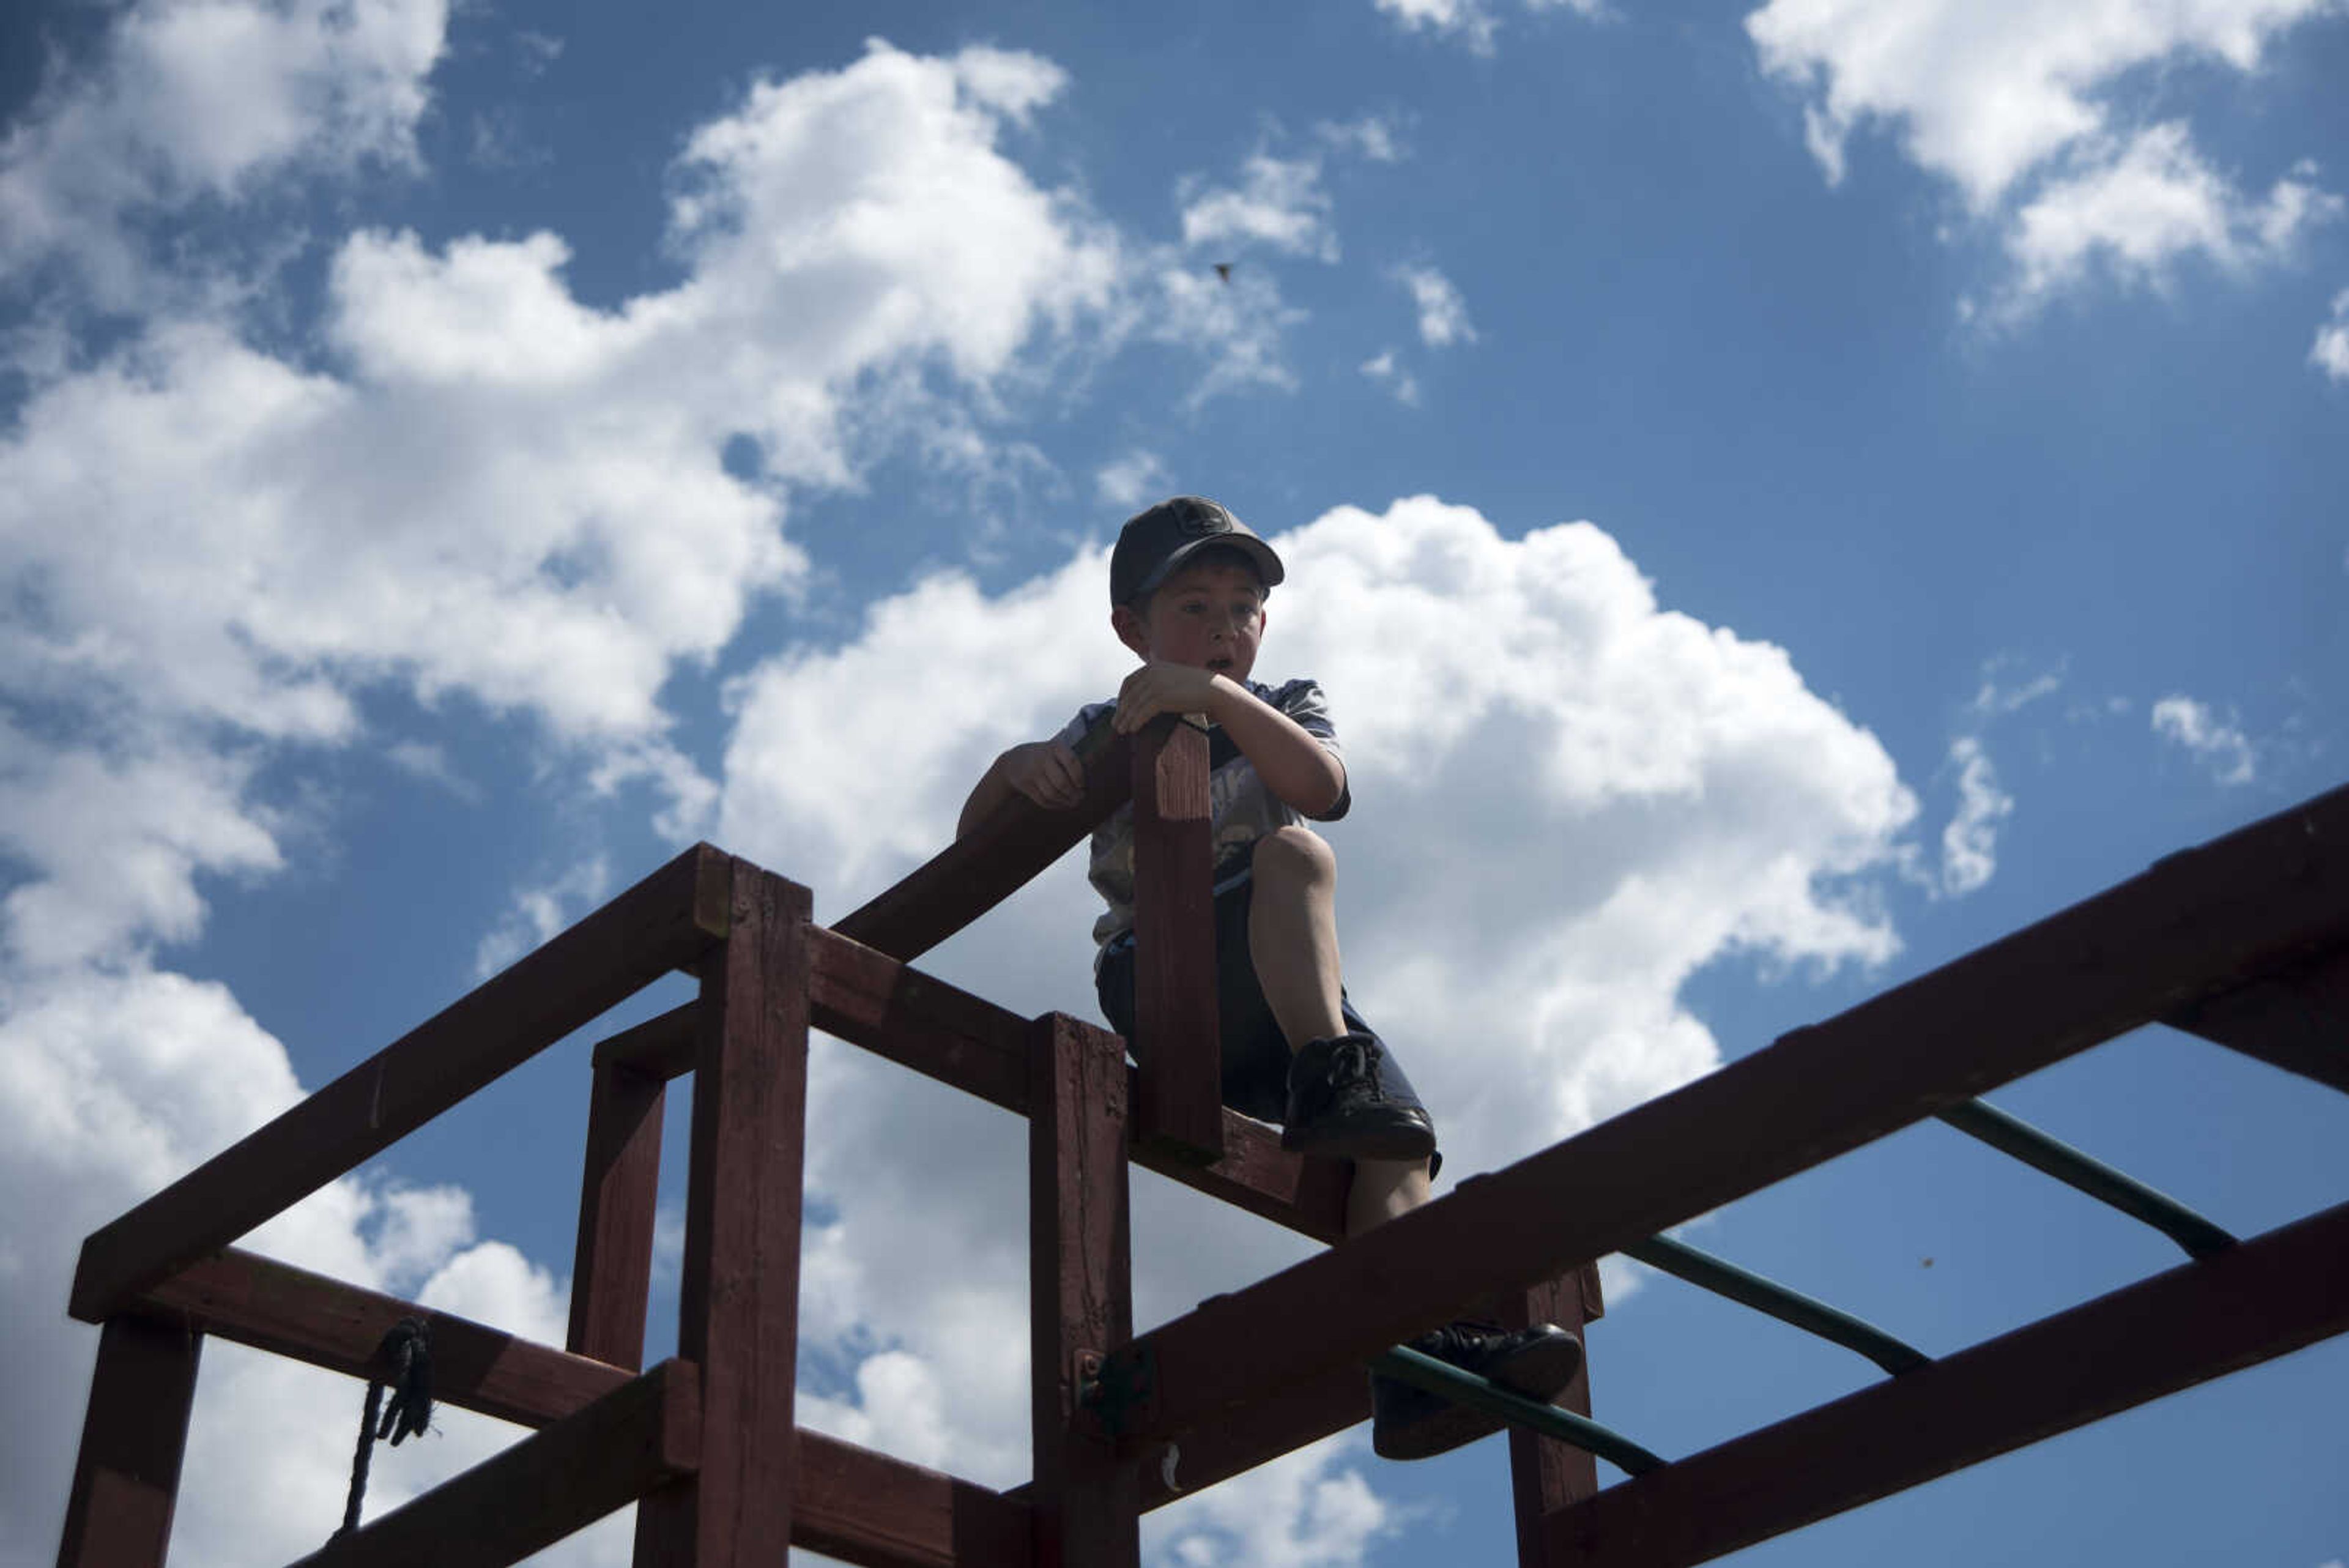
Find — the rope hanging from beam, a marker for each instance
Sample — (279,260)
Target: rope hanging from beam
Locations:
(406,1351)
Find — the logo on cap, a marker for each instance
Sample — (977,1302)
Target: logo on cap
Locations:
(1197,522)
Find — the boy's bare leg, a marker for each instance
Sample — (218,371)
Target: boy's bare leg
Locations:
(1382,1189)
(1293,934)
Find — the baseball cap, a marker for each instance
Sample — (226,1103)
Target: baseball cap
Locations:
(1154,542)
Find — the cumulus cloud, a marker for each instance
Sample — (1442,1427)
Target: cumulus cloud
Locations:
(2218,743)
(2330,352)
(1569,799)
(191,100)
(1376,137)
(2019,108)
(1442,314)
(474,489)
(2145,207)
(1301,1512)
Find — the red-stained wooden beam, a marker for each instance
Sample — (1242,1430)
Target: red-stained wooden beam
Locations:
(660,1047)
(1085,1497)
(291,1312)
(1175,1026)
(2297,1020)
(612,1268)
(879,1512)
(2256,1301)
(664,922)
(2195,925)
(994,861)
(641,1435)
(1546,1475)
(851,1503)
(894,1011)
(738,1317)
(134,1435)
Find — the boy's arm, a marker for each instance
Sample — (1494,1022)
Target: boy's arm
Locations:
(1293,765)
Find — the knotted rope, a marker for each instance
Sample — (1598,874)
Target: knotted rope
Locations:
(406,1350)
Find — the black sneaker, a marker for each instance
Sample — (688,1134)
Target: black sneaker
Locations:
(1411,1423)
(1339,1108)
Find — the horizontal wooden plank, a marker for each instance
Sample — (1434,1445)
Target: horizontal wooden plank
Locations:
(2195,925)
(993,861)
(2256,1301)
(879,1512)
(660,1047)
(558,1481)
(2297,1020)
(896,1010)
(664,922)
(292,1312)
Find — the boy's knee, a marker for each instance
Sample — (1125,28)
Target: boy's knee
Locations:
(1297,854)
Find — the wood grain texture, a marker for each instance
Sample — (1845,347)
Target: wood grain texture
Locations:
(1085,1497)
(739,1286)
(1179,1113)
(612,1267)
(134,1434)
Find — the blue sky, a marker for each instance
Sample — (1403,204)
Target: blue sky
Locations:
(1779,495)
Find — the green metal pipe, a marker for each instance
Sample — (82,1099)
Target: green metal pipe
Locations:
(2009,1135)
(1724,1278)
(1423,1371)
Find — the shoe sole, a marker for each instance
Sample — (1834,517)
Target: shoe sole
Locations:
(1539,1372)
(1402,1141)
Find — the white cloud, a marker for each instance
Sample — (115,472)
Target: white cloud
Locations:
(1995,98)
(2218,745)
(1279,204)
(1469,20)
(1130,479)
(1382,369)
(1238,324)
(2330,352)
(186,100)
(1442,314)
(540,912)
(1301,1512)
(2142,209)
(1376,137)
(1970,842)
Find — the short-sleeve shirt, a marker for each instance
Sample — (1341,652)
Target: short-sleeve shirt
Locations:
(1240,807)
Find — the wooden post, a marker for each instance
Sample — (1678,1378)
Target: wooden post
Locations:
(738,1312)
(612,1273)
(1178,1038)
(1546,1475)
(1087,1501)
(133,1438)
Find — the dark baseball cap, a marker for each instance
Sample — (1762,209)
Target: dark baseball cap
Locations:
(1154,543)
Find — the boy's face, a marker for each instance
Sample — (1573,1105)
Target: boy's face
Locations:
(1209,617)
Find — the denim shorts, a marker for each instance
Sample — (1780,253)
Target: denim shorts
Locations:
(1256,1053)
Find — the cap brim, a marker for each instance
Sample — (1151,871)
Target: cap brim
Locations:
(1267,565)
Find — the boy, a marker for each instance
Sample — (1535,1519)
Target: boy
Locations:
(1187,588)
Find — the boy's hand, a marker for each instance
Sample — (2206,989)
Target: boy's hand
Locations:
(1046,771)
(1161,688)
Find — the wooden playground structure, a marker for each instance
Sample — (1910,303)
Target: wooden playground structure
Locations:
(2243,941)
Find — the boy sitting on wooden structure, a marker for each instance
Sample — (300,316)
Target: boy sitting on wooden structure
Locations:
(1187,588)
